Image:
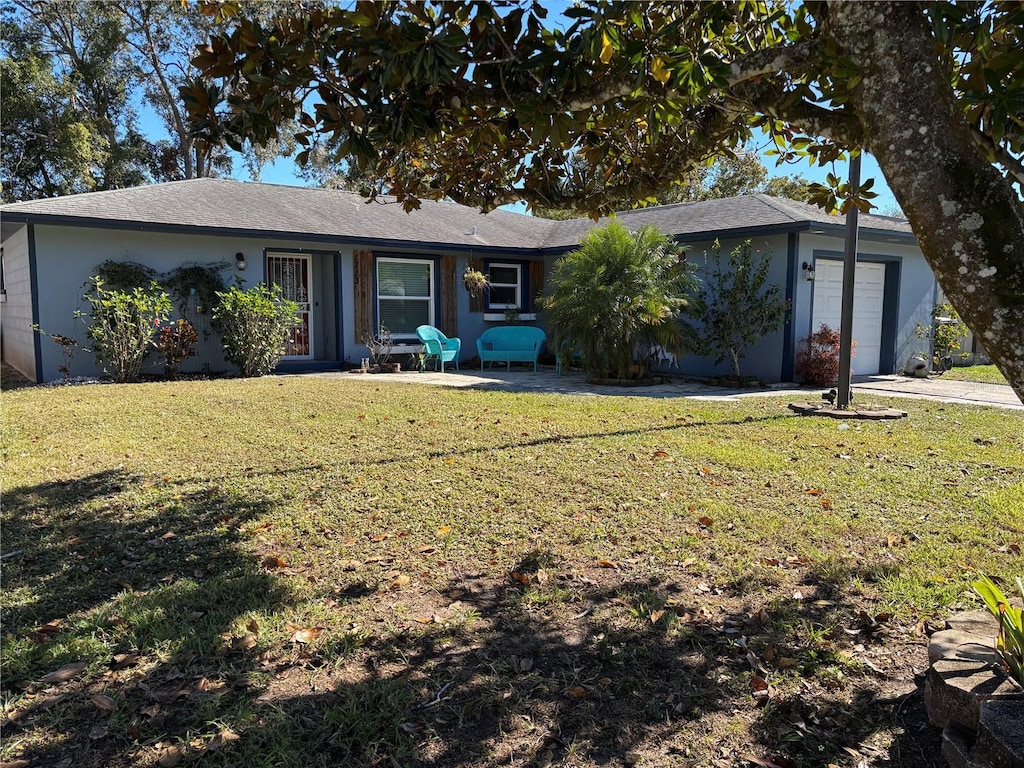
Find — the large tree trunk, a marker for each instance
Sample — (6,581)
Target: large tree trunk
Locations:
(968,221)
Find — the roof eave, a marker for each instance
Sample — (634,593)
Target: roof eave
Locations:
(191,229)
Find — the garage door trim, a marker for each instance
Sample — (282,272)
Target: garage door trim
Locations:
(890,302)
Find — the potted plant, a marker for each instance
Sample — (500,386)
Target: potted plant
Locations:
(476,282)
(379,346)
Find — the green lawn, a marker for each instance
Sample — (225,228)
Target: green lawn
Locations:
(322,572)
(983,374)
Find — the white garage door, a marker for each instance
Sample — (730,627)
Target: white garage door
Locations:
(869,290)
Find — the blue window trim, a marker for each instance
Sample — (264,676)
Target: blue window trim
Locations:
(524,284)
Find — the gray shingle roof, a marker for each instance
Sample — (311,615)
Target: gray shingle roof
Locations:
(235,205)
(722,215)
(274,208)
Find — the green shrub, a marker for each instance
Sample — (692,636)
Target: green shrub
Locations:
(1010,639)
(256,326)
(617,297)
(122,326)
(947,332)
(124,276)
(196,286)
(738,307)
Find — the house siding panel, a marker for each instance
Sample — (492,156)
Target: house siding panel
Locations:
(68,256)
(763,359)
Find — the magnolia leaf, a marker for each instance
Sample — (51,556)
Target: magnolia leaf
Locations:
(103,703)
(65,673)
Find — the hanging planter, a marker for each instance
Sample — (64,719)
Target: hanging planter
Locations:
(476,282)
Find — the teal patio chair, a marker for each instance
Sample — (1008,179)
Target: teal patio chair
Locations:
(437,345)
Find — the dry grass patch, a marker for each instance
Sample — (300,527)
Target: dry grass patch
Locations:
(300,571)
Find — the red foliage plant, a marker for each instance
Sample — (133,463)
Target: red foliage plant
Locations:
(817,360)
(176,340)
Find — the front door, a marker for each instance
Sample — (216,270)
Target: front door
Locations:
(293,274)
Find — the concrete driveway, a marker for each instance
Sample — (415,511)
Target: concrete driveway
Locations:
(575,383)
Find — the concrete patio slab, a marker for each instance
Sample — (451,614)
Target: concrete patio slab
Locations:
(575,383)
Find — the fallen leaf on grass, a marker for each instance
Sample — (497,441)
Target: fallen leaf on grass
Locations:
(660,455)
(604,563)
(706,521)
(785,763)
(98,732)
(221,740)
(400,581)
(444,530)
(65,673)
(577,692)
(522,578)
(762,691)
(151,711)
(49,628)
(15,764)
(272,561)
(103,703)
(306,634)
(169,758)
(813,492)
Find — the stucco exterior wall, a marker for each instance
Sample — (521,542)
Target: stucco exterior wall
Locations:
(68,256)
(763,359)
(18,338)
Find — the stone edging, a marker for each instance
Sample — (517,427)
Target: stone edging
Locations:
(978,706)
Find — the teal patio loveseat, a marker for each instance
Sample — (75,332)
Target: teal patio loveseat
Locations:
(510,344)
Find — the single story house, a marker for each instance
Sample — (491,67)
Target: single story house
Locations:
(354,266)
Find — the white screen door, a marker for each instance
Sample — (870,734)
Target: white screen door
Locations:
(293,274)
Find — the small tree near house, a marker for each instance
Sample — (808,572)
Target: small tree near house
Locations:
(738,308)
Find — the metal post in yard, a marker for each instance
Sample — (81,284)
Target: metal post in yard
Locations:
(849,281)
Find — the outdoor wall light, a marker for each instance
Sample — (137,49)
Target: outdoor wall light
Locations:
(808,269)
(240,261)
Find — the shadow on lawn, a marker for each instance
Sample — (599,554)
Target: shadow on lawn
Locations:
(538,442)
(522,686)
(139,581)
(545,667)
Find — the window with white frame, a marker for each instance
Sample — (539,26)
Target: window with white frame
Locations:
(506,286)
(405,296)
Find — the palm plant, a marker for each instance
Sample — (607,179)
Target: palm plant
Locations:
(619,297)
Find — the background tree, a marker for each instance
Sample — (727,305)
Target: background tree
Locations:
(84,102)
(48,147)
(617,296)
(456,99)
(727,176)
(73,74)
(738,307)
